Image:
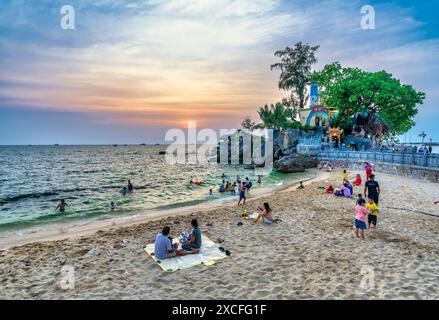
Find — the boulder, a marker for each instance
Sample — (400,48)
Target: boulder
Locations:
(295,163)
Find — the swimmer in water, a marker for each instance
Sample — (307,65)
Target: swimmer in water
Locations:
(62,206)
(124,191)
(130,186)
(112,206)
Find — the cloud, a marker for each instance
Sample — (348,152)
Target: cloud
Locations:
(192,58)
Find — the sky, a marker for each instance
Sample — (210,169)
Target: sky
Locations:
(131,70)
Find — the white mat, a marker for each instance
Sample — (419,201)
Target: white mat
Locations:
(209,254)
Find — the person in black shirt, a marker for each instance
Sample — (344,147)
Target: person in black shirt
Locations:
(372,189)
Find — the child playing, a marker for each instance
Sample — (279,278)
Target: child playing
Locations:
(359,198)
(329,189)
(112,206)
(360,219)
(345,175)
(358,180)
(301,186)
(373,212)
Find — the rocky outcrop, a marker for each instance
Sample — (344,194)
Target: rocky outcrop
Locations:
(285,156)
(295,163)
(286,159)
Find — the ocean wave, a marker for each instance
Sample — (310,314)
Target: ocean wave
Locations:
(27,196)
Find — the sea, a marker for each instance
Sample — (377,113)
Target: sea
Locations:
(33,179)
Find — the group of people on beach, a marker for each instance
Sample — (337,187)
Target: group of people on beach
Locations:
(366,208)
(190,243)
(237,186)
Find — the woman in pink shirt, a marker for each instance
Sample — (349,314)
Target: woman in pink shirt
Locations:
(360,218)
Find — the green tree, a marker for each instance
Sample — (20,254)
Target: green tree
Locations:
(275,116)
(295,66)
(248,123)
(353,90)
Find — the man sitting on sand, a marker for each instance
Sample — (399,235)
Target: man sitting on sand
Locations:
(163,245)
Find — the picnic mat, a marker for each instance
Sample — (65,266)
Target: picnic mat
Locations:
(209,254)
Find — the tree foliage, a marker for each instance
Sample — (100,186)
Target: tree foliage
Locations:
(295,66)
(353,90)
(276,116)
(248,123)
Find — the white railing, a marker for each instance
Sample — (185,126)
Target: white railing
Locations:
(430,160)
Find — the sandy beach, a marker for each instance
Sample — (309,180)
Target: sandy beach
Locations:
(310,254)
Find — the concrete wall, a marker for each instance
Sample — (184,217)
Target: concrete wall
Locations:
(430,174)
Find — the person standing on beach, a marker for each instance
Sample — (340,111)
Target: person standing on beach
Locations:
(373,212)
(62,206)
(242,193)
(259,179)
(372,189)
(360,219)
(368,168)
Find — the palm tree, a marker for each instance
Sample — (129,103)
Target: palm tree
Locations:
(276,116)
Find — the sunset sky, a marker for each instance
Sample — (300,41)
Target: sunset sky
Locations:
(133,69)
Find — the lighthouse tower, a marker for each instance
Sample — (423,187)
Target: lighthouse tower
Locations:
(314,95)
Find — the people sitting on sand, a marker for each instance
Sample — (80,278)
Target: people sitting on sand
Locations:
(163,247)
(62,206)
(326,166)
(358,182)
(350,187)
(242,193)
(301,186)
(344,192)
(360,219)
(329,189)
(266,214)
(193,244)
(130,186)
